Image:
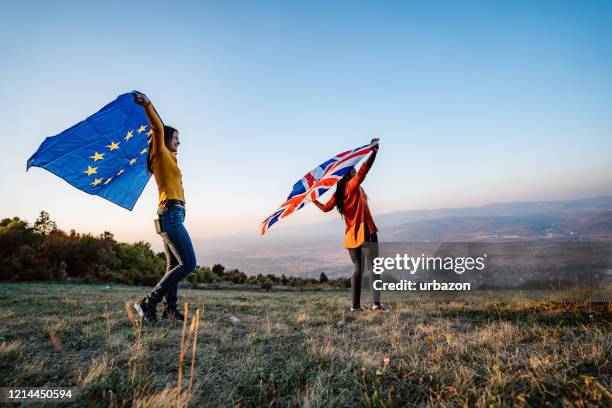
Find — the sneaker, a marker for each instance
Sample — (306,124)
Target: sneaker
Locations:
(380,308)
(358,309)
(172,314)
(146,311)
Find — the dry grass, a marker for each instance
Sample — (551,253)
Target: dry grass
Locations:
(303,349)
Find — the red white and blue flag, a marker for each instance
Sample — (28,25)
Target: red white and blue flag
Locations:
(316,182)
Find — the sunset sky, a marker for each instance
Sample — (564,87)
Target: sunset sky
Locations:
(474,102)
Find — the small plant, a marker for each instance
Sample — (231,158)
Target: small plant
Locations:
(181,357)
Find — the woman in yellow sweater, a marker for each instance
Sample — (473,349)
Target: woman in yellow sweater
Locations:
(180,257)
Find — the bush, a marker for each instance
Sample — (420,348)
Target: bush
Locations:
(42,252)
(30,265)
(203,275)
(235,276)
(218,270)
(137,264)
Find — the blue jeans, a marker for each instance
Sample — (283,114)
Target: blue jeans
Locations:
(180,257)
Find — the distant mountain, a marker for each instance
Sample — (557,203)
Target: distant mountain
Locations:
(561,225)
(312,249)
(513,209)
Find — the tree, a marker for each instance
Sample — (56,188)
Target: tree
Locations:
(218,270)
(203,274)
(323,278)
(107,236)
(21,228)
(284,279)
(235,276)
(44,225)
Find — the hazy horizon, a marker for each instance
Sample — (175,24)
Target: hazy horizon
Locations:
(291,226)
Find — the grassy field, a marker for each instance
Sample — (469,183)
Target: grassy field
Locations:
(305,349)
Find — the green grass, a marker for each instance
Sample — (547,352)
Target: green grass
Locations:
(306,349)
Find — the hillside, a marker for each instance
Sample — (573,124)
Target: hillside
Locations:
(312,249)
(289,349)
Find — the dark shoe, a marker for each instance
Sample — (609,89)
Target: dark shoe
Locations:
(358,309)
(173,314)
(146,311)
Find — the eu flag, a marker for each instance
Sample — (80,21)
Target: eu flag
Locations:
(104,155)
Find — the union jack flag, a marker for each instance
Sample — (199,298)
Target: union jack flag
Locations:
(316,182)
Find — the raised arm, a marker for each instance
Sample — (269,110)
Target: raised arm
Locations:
(156,124)
(365,168)
(326,207)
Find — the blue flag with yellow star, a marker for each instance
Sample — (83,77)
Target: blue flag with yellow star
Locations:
(104,155)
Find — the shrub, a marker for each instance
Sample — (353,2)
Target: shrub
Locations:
(42,252)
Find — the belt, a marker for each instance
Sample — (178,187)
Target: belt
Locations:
(172,203)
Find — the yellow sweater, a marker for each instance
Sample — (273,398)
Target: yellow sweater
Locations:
(165,168)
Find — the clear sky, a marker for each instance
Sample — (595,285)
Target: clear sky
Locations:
(474,102)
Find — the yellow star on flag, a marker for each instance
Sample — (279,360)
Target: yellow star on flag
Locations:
(108,180)
(96,182)
(121,172)
(133,161)
(97,156)
(150,132)
(113,146)
(128,135)
(141,129)
(143,151)
(91,170)
(149,141)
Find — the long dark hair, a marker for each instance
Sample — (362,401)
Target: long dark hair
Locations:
(168,132)
(339,195)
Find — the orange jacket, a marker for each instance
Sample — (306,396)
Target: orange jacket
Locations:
(356,211)
(165,168)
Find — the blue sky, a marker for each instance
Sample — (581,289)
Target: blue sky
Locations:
(474,102)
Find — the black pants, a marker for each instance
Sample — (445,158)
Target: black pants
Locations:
(362,256)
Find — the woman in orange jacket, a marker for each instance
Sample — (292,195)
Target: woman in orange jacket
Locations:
(352,204)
